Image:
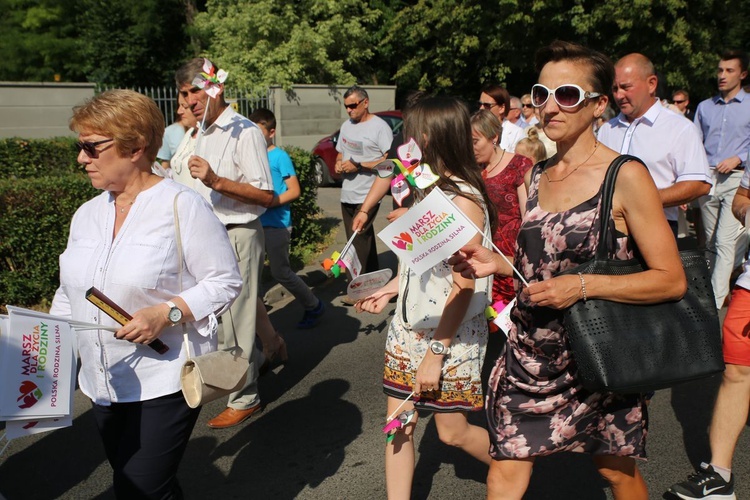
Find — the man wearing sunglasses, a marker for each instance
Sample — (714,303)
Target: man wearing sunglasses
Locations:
(681,101)
(363,142)
(667,143)
(527,110)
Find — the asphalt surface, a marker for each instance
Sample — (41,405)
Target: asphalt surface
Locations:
(319,436)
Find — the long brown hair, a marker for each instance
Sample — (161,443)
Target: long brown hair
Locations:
(441,127)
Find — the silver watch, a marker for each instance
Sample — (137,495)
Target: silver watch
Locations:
(438,348)
(175,315)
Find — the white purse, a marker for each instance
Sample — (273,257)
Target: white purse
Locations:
(215,374)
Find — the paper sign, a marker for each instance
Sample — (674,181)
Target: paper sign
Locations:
(37,364)
(424,176)
(21,428)
(409,153)
(351,261)
(431,231)
(367,284)
(399,189)
(503,320)
(385,168)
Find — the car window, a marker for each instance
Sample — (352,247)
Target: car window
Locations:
(394,122)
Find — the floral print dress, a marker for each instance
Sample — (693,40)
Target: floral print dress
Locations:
(535,405)
(406,346)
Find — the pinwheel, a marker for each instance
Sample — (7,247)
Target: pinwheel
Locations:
(211,81)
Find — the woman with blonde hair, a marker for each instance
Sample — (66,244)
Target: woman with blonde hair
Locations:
(123,242)
(503,178)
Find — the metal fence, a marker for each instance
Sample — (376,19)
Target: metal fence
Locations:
(242,100)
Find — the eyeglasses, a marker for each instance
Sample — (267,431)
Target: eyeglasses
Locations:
(90,147)
(566,96)
(678,101)
(529,105)
(486,105)
(353,106)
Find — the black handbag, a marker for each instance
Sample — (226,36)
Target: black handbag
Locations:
(629,348)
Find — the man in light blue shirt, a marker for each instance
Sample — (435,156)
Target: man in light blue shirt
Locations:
(724,125)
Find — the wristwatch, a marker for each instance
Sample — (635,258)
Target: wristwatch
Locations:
(175,315)
(358,165)
(438,348)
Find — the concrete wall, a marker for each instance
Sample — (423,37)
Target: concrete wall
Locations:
(308,113)
(305,114)
(39,110)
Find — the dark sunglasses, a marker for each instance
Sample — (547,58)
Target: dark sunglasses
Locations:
(529,105)
(679,101)
(353,106)
(90,147)
(566,96)
(486,105)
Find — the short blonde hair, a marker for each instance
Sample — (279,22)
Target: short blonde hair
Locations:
(131,119)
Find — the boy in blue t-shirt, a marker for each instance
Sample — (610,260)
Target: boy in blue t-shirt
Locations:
(277,221)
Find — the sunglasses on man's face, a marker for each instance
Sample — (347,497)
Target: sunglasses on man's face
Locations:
(90,147)
(486,105)
(569,95)
(679,101)
(527,105)
(353,105)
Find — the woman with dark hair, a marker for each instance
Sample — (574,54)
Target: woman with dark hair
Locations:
(536,405)
(503,174)
(440,363)
(496,100)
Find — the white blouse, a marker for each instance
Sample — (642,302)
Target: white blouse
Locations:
(138,269)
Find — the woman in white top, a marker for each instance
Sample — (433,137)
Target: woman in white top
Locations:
(123,243)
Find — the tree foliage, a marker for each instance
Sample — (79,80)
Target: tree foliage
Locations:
(284,42)
(439,45)
(38,39)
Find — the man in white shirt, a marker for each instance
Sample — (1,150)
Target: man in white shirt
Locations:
(515,116)
(231,164)
(363,142)
(496,100)
(668,144)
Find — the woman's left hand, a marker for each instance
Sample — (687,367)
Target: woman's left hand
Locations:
(146,325)
(558,293)
(428,373)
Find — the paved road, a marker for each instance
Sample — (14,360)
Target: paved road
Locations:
(319,436)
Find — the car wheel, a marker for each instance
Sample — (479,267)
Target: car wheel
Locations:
(322,177)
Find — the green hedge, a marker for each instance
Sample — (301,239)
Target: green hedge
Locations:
(23,159)
(41,187)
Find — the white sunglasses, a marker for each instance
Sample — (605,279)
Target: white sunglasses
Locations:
(568,95)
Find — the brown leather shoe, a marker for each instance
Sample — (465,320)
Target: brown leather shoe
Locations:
(231,417)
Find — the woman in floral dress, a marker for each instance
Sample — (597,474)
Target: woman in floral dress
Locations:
(536,405)
(437,339)
(503,177)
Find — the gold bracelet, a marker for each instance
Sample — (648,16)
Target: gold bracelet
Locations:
(583,286)
(364,212)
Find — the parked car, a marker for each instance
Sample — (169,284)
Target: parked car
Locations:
(325,150)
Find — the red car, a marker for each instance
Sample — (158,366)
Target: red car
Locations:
(325,150)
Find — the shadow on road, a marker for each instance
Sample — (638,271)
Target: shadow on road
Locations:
(298,444)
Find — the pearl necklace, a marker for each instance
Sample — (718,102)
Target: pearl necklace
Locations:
(574,170)
(127,206)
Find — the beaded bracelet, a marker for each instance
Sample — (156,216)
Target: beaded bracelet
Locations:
(583,286)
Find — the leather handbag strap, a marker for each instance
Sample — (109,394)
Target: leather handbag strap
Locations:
(179,259)
(608,191)
(178,238)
